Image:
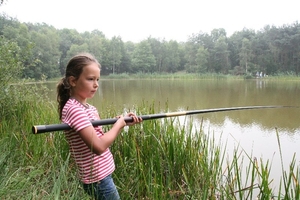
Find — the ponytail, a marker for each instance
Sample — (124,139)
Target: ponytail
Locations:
(63,94)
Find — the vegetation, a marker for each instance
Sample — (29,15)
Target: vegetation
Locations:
(155,160)
(270,51)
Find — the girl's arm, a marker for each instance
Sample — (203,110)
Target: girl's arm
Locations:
(99,144)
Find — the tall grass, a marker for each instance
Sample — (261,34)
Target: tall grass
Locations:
(195,76)
(159,159)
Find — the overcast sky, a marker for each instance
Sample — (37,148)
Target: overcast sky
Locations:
(135,20)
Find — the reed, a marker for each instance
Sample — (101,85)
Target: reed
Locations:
(193,76)
(163,75)
(159,159)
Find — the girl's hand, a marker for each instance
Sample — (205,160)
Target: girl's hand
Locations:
(135,118)
(120,122)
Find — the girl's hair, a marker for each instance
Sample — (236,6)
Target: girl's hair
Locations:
(74,68)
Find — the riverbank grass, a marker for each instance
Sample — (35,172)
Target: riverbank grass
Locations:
(158,159)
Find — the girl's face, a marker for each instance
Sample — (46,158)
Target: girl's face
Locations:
(87,83)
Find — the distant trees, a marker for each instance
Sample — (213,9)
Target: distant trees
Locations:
(46,50)
(143,59)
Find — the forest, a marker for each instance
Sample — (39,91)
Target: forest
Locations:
(44,51)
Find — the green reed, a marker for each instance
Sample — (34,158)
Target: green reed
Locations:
(179,75)
(158,159)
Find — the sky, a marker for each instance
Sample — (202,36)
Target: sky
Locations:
(136,20)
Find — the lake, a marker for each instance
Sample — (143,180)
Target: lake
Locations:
(252,130)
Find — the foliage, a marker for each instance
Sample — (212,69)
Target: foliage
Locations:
(25,159)
(142,58)
(10,71)
(160,159)
(46,50)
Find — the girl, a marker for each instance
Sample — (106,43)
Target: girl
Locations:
(89,146)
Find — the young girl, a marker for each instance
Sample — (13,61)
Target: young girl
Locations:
(89,146)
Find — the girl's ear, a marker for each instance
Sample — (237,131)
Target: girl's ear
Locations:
(72,81)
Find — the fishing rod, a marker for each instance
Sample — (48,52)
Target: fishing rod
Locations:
(61,127)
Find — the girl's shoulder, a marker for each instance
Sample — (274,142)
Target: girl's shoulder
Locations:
(72,103)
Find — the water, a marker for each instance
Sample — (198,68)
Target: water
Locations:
(254,131)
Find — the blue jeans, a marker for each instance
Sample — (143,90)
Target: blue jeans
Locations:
(103,190)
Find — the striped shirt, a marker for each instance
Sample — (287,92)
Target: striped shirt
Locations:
(91,167)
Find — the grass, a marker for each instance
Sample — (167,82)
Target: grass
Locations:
(178,75)
(159,159)
(183,75)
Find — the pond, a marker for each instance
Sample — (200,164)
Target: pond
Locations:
(254,131)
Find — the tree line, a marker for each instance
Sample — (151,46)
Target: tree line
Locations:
(45,50)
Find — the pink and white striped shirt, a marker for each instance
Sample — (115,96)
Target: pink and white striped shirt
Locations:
(91,167)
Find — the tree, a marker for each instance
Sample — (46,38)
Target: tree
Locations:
(207,41)
(245,54)
(95,45)
(202,60)
(46,50)
(172,56)
(295,43)
(222,63)
(67,37)
(10,71)
(115,53)
(159,52)
(105,59)
(19,33)
(191,48)
(215,34)
(143,59)
(10,65)
(127,58)
(76,49)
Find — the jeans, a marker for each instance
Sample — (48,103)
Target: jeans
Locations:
(103,190)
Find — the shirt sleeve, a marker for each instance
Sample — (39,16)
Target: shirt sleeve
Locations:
(77,118)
